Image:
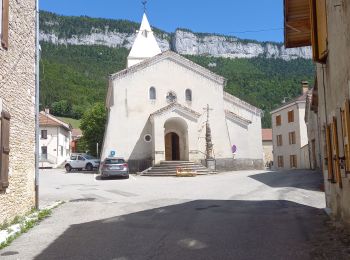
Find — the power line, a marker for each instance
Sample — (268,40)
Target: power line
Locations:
(262,30)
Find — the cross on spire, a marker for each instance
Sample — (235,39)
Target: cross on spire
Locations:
(144,3)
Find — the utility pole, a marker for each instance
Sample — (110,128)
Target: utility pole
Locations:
(37,85)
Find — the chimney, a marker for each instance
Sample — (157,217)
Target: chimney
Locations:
(47,110)
(305,86)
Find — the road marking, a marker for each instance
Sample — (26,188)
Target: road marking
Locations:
(133,177)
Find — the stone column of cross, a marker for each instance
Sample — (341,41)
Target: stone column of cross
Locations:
(208,142)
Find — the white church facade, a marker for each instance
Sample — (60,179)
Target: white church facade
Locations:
(156,112)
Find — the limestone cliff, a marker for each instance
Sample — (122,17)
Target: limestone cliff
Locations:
(119,33)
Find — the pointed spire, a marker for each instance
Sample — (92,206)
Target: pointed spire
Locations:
(145,45)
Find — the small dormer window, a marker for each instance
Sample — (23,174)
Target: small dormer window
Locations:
(171,97)
(188,95)
(152,93)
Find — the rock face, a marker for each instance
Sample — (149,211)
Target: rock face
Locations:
(110,39)
(187,42)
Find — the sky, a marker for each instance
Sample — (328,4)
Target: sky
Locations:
(260,20)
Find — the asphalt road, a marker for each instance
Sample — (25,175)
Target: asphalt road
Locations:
(236,215)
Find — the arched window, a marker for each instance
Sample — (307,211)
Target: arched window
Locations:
(188,94)
(152,93)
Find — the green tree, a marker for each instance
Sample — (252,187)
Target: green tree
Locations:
(93,127)
(61,108)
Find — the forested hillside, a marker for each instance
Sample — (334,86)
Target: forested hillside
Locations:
(73,78)
(259,81)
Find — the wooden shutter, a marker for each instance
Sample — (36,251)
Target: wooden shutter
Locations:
(329,154)
(335,148)
(319,30)
(5,24)
(346,134)
(278,120)
(5,150)
(290,116)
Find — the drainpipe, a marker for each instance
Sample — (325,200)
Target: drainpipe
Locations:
(37,50)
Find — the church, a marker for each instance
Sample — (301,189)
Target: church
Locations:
(159,105)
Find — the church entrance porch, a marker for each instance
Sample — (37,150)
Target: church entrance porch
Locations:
(176,139)
(172,147)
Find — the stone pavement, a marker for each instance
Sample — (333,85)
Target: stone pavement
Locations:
(234,215)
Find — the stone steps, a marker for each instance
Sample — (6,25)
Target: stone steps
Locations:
(168,168)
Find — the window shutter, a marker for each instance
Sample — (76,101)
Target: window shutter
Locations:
(335,148)
(278,120)
(5,150)
(329,154)
(319,30)
(346,134)
(5,24)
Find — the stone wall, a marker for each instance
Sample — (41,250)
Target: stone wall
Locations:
(333,79)
(231,164)
(17,91)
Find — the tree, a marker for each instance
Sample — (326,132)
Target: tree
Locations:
(93,127)
(61,108)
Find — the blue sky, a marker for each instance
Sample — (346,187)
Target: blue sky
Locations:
(229,17)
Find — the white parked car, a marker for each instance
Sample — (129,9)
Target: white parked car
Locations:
(82,161)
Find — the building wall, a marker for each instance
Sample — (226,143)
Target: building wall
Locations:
(305,157)
(314,140)
(57,137)
(130,110)
(333,89)
(246,137)
(298,126)
(17,91)
(268,151)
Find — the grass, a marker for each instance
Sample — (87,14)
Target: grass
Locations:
(74,122)
(26,223)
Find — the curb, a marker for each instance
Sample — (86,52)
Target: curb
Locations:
(15,230)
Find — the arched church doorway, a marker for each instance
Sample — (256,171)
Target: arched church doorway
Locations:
(172,147)
(176,140)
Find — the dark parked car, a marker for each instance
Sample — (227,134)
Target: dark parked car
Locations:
(111,167)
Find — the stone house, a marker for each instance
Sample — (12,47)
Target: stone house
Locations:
(17,107)
(266,135)
(55,140)
(313,132)
(325,25)
(157,111)
(289,133)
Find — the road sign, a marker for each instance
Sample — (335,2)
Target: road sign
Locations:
(234,148)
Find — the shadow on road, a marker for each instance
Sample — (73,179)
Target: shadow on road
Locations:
(308,180)
(204,229)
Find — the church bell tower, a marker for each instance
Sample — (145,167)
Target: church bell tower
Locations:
(145,45)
